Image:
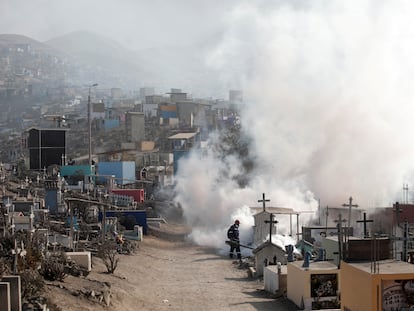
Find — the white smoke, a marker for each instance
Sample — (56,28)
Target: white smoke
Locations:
(328,93)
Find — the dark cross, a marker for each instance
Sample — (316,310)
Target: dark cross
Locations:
(264,202)
(365,224)
(339,222)
(350,205)
(397,210)
(271,222)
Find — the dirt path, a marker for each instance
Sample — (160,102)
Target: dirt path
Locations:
(165,275)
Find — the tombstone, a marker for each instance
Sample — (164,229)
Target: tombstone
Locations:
(5,304)
(82,259)
(139,232)
(15,291)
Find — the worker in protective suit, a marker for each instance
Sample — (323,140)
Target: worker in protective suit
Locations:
(233,235)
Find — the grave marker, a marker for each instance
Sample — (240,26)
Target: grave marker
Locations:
(5,296)
(15,291)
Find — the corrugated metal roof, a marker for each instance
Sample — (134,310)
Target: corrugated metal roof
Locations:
(183,136)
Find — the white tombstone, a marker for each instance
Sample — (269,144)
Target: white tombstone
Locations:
(82,259)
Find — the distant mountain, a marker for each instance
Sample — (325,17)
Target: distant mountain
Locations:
(109,60)
(7,40)
(178,66)
(88,57)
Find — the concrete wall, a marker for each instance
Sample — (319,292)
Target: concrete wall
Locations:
(273,280)
(363,290)
(356,288)
(299,281)
(331,247)
(135,126)
(124,171)
(298,286)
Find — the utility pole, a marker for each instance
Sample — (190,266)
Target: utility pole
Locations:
(350,205)
(90,135)
(89,123)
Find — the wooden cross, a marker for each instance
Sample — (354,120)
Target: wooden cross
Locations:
(271,222)
(350,205)
(264,202)
(339,222)
(365,224)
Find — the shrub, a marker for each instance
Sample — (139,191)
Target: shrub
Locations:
(53,267)
(109,254)
(32,283)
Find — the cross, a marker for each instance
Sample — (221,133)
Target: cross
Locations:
(271,222)
(264,202)
(365,224)
(405,189)
(339,222)
(397,210)
(350,205)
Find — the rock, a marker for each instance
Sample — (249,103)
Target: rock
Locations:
(107,298)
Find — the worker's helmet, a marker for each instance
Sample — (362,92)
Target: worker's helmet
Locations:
(237,222)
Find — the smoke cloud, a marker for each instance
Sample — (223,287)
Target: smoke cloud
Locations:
(327,103)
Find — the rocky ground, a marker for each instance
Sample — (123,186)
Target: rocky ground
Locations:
(166,273)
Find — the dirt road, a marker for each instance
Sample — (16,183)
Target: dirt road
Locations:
(165,275)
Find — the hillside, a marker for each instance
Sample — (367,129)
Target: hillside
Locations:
(100,54)
(80,57)
(8,40)
(181,66)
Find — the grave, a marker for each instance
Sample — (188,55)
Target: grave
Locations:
(82,259)
(5,304)
(275,278)
(15,291)
(136,234)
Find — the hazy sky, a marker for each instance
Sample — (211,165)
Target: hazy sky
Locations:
(136,23)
